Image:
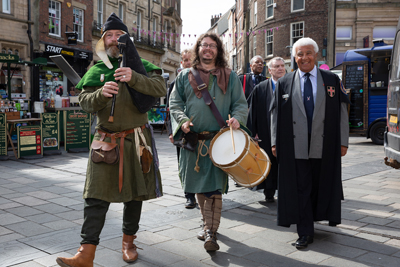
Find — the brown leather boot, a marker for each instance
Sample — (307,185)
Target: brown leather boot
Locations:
(84,257)
(129,253)
(212,218)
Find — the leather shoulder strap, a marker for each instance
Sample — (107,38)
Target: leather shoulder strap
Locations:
(202,87)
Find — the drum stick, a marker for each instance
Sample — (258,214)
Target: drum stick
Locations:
(233,141)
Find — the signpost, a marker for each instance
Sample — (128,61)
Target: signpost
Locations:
(51,133)
(30,141)
(3,137)
(77,132)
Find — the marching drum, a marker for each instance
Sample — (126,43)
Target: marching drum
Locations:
(249,166)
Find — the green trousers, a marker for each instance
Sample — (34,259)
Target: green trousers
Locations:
(95,211)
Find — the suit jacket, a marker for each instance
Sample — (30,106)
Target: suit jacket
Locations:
(290,134)
(249,83)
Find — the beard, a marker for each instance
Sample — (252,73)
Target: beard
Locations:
(112,51)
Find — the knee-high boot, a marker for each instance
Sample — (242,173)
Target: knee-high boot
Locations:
(201,198)
(212,218)
(84,257)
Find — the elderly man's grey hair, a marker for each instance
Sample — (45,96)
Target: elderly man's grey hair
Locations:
(255,58)
(272,61)
(302,42)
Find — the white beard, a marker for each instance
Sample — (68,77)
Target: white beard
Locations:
(112,51)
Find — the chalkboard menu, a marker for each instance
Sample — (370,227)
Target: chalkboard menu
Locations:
(51,130)
(355,78)
(3,135)
(29,141)
(77,130)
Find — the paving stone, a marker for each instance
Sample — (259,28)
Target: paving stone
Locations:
(29,264)
(10,237)
(52,208)
(185,249)
(273,246)
(59,225)
(376,220)
(379,259)
(309,255)
(376,238)
(250,229)
(265,258)
(30,201)
(15,252)
(186,263)
(24,211)
(332,249)
(28,228)
(43,195)
(8,218)
(177,233)
(158,257)
(225,259)
(343,263)
(150,238)
(42,218)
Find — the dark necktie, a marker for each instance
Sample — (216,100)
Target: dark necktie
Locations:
(257,79)
(308,100)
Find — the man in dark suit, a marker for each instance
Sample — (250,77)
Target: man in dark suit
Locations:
(186,63)
(259,121)
(309,135)
(250,80)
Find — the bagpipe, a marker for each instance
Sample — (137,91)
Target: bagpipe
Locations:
(129,57)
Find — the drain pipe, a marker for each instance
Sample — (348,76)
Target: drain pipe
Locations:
(29,32)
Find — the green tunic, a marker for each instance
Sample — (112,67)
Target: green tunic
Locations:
(101,178)
(185,104)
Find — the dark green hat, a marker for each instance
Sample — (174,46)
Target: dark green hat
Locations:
(114,23)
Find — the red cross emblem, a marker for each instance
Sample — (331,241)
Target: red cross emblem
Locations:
(331,91)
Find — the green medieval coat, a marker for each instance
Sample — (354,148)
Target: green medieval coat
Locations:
(183,105)
(101,178)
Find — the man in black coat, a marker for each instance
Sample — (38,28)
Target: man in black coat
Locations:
(250,80)
(310,130)
(259,121)
(186,63)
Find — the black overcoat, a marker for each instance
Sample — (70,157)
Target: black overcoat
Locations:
(259,123)
(249,83)
(327,188)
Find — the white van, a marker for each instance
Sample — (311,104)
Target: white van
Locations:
(392,133)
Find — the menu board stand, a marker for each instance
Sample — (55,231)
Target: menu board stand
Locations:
(3,137)
(355,79)
(51,133)
(30,144)
(77,131)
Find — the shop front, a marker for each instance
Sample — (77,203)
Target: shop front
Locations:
(51,80)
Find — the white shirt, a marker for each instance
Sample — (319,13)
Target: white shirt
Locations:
(313,79)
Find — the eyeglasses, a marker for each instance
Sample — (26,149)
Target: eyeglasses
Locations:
(212,46)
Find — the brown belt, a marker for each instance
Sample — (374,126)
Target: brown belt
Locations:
(121,135)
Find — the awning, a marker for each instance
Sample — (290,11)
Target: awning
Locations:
(380,51)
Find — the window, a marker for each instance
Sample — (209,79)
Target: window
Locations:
(344,32)
(255,13)
(296,31)
(386,32)
(165,31)
(100,13)
(139,25)
(239,4)
(254,45)
(4,51)
(155,23)
(6,6)
(240,27)
(54,18)
(395,73)
(339,58)
(16,52)
(269,43)
(78,23)
(240,60)
(121,11)
(297,5)
(270,9)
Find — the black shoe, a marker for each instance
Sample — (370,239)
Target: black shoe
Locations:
(270,199)
(190,203)
(303,241)
(237,185)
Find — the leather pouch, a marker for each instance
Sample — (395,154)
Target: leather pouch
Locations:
(104,152)
(187,141)
(146,159)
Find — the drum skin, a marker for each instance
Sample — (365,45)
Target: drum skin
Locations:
(249,166)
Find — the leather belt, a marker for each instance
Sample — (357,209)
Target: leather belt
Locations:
(113,137)
(206,135)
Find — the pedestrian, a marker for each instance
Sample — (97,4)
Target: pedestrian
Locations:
(190,114)
(310,133)
(127,182)
(186,63)
(250,80)
(259,121)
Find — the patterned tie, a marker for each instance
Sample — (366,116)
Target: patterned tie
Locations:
(257,79)
(308,100)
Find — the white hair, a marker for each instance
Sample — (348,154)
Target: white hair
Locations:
(255,58)
(273,60)
(303,42)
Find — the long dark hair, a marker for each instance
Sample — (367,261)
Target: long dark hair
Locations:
(221,58)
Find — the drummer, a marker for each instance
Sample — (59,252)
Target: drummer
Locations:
(197,172)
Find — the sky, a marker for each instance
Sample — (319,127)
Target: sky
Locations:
(196,17)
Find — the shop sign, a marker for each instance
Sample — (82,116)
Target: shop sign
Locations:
(3,135)
(72,38)
(77,129)
(83,55)
(9,58)
(51,130)
(58,50)
(29,141)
